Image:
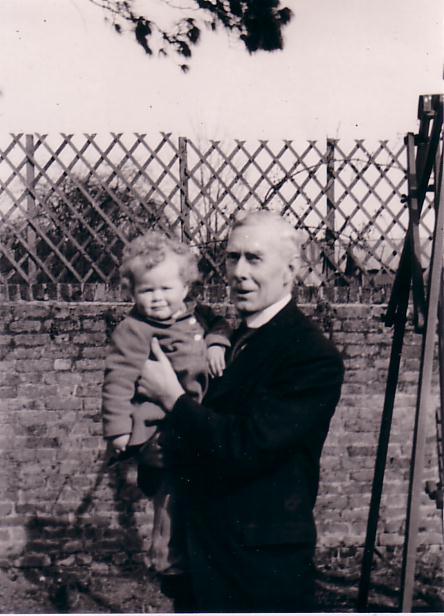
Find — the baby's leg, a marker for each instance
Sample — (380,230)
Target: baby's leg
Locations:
(168,539)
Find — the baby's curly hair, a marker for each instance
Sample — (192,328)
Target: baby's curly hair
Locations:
(148,250)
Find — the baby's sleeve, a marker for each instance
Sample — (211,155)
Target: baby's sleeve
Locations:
(130,346)
(217,329)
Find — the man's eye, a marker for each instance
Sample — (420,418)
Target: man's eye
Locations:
(253,258)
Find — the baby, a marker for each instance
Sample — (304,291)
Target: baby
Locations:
(158,271)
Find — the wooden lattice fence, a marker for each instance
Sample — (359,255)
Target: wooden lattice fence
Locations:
(68,203)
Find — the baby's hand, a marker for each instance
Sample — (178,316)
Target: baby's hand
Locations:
(216,360)
(119,443)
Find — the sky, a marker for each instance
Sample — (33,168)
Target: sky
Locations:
(349,69)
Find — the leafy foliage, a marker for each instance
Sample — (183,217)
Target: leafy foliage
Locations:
(79,229)
(257,23)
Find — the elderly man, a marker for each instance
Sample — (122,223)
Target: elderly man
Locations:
(249,455)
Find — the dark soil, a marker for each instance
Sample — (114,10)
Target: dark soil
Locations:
(33,591)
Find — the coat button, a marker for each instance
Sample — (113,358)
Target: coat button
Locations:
(192,321)
(197,337)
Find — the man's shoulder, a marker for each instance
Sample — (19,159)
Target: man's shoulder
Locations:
(298,329)
(292,317)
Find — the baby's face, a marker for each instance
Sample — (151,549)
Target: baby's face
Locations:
(159,293)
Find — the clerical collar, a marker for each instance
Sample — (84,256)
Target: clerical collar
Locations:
(260,318)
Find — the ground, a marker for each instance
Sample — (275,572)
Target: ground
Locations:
(135,590)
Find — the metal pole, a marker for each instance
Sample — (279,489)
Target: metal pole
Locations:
(30,205)
(399,320)
(183,178)
(440,417)
(441,370)
(423,404)
(396,315)
(330,216)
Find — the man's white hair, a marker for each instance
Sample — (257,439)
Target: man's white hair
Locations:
(290,239)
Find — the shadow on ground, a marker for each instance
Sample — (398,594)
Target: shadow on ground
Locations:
(338,584)
(79,562)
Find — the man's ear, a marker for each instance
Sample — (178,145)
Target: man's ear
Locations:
(294,265)
(290,273)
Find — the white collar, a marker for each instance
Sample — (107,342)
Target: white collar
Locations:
(260,318)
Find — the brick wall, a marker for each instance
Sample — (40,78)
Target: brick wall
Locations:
(58,503)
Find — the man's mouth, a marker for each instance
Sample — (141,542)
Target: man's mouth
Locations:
(243,292)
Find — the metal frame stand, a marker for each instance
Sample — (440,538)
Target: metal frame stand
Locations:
(428,158)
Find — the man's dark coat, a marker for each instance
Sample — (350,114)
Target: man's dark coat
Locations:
(250,460)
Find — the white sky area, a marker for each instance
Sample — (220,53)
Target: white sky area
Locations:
(349,69)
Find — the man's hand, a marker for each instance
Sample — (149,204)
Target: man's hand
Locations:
(216,360)
(119,443)
(158,381)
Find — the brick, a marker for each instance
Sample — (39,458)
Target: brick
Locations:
(90,364)
(73,546)
(89,339)
(7,366)
(36,391)
(93,325)
(92,404)
(64,325)
(69,561)
(33,365)
(84,559)
(99,568)
(25,326)
(92,376)
(8,393)
(62,364)
(63,377)
(66,404)
(390,539)
(353,539)
(93,352)
(61,338)
(34,310)
(31,340)
(89,390)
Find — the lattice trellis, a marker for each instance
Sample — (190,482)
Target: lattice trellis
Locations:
(68,203)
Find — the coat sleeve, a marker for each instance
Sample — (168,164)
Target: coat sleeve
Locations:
(217,329)
(130,346)
(277,419)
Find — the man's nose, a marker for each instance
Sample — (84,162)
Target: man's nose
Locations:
(240,269)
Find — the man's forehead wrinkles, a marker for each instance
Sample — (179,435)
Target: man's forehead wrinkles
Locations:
(245,242)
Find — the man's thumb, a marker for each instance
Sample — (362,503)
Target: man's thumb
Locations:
(156,350)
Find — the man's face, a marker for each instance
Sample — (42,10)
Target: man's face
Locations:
(257,270)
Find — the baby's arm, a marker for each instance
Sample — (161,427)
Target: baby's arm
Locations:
(130,345)
(216,360)
(217,338)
